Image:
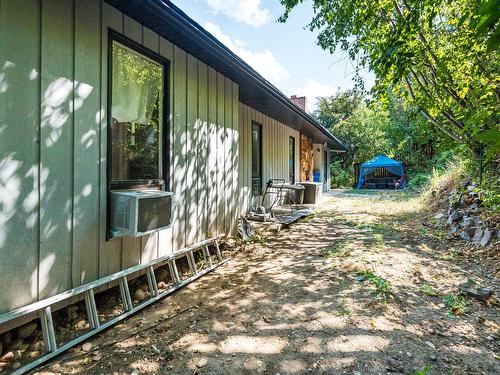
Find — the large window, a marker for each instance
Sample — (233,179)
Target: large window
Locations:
(256,159)
(137,113)
(291,160)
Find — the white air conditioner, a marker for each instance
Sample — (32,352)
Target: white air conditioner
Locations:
(138,212)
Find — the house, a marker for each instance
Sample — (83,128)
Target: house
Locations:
(101,95)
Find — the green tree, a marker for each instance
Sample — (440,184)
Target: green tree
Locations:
(440,55)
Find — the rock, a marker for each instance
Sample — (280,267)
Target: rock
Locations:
(81,324)
(467,222)
(38,346)
(162,285)
(433,358)
(87,347)
(34,354)
(26,330)
(201,363)
(478,234)
(16,365)
(490,338)
(430,345)
(486,237)
(465,236)
(472,289)
(454,228)
(438,216)
(161,274)
(456,215)
(144,287)
(8,357)
(135,372)
(139,295)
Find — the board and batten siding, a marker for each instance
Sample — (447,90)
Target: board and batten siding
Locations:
(275,137)
(53,137)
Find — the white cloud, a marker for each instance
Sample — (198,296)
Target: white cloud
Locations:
(263,62)
(247,11)
(314,89)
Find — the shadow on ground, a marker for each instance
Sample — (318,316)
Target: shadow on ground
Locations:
(294,306)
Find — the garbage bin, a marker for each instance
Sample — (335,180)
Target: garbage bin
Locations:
(317,176)
(313,192)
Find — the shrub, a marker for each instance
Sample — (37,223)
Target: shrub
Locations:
(339,176)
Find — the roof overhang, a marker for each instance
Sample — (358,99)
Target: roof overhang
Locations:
(173,24)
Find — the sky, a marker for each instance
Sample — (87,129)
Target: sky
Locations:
(285,54)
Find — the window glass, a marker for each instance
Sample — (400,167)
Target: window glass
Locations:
(256,159)
(136,116)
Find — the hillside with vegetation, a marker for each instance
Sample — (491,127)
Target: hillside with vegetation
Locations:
(436,98)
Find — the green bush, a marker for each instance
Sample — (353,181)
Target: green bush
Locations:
(417,180)
(339,176)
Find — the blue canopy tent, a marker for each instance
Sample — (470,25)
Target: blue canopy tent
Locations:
(380,161)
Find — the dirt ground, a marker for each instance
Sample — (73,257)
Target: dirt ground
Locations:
(366,286)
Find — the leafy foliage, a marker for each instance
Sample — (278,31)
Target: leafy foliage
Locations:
(439,55)
(428,290)
(456,304)
(383,289)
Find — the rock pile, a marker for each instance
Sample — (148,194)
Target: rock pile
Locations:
(463,215)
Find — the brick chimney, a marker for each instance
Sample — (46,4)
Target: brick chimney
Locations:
(299,101)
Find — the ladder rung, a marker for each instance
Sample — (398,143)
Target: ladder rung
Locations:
(219,254)
(125,294)
(191,262)
(150,274)
(49,335)
(91,309)
(208,256)
(174,274)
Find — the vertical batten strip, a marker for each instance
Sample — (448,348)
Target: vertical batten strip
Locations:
(86,141)
(192,125)
(165,240)
(56,147)
(110,254)
(20,63)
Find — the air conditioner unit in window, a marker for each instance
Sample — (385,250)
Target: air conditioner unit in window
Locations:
(138,212)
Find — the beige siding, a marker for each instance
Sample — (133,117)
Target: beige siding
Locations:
(275,136)
(53,137)
(53,148)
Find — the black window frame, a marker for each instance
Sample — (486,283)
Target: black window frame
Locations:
(291,171)
(163,182)
(257,192)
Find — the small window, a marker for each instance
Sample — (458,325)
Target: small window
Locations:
(291,160)
(256,159)
(136,119)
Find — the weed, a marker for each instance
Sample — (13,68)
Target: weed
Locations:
(307,219)
(339,249)
(382,290)
(456,303)
(258,239)
(428,290)
(379,240)
(343,310)
(451,255)
(423,371)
